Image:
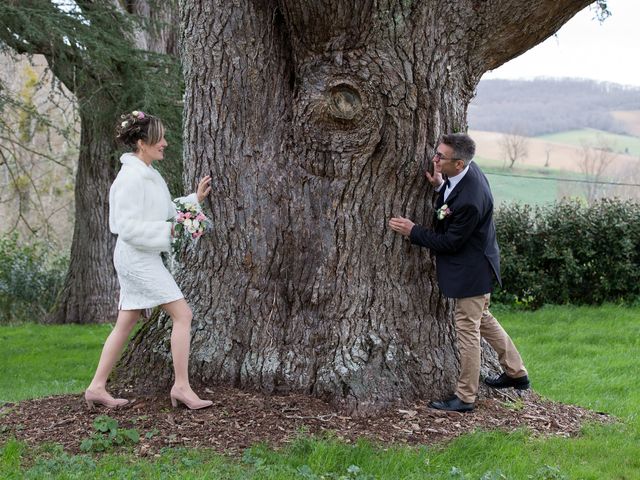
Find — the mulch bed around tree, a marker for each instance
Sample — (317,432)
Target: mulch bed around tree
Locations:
(240,419)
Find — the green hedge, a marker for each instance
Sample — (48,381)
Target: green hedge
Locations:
(569,252)
(31,275)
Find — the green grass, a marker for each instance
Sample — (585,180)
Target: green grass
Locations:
(623,144)
(39,360)
(530,185)
(581,355)
(507,189)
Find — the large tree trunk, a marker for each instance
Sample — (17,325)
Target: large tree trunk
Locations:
(90,292)
(317,120)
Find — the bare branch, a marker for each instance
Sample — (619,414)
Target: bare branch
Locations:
(514,147)
(594,162)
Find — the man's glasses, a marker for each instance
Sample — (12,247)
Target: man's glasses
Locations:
(440,156)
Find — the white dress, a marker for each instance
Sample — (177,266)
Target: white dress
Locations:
(140,213)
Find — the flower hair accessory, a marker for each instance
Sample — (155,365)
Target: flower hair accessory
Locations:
(443,212)
(136,114)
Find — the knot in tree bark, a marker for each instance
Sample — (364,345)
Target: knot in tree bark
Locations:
(345,101)
(337,120)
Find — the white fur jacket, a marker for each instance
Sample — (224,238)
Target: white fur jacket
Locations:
(140,206)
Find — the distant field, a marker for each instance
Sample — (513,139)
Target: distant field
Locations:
(622,144)
(564,153)
(630,119)
(561,153)
(533,186)
(522,190)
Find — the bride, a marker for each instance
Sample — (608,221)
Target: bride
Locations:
(139,206)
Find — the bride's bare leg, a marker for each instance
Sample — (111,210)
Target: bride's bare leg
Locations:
(180,340)
(110,354)
(180,343)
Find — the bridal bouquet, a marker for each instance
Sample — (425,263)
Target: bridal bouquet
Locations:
(190,224)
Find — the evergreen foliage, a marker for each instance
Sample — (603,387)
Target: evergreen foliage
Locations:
(31,275)
(90,47)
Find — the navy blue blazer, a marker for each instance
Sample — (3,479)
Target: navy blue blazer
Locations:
(464,242)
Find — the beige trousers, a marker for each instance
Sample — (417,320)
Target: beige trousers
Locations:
(474,320)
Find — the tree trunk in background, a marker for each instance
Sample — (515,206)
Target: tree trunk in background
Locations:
(317,120)
(90,292)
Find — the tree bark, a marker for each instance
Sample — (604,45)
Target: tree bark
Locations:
(90,292)
(317,120)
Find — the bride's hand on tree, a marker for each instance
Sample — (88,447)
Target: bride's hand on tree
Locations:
(204,188)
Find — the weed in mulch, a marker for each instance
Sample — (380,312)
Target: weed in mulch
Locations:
(107,435)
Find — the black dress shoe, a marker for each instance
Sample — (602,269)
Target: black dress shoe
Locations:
(505,381)
(452,405)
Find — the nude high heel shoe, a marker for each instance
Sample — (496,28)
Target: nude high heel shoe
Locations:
(94,399)
(190,404)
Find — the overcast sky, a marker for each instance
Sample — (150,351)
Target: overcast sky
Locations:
(586,48)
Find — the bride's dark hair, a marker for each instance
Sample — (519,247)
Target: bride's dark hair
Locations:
(138,125)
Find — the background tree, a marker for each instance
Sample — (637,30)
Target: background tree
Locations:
(547,150)
(514,147)
(628,174)
(38,152)
(317,119)
(95,49)
(594,163)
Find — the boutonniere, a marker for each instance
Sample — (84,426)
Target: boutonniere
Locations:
(443,212)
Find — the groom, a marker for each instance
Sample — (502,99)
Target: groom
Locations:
(467,261)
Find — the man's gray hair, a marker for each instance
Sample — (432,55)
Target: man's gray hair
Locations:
(464,148)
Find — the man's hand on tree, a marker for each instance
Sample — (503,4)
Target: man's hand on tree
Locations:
(436,179)
(401,225)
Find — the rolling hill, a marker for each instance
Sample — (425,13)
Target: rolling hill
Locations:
(564,151)
(621,144)
(545,106)
(630,119)
(564,121)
